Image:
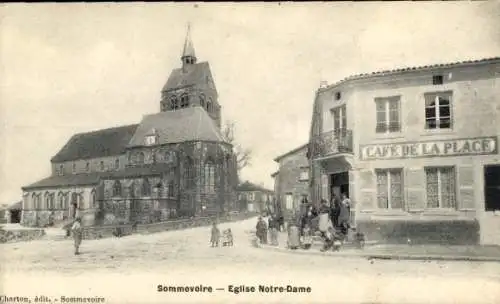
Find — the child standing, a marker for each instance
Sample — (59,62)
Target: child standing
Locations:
(306,237)
(214,239)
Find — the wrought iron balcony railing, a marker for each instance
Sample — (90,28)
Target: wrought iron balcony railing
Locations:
(331,143)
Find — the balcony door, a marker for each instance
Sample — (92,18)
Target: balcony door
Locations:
(339,115)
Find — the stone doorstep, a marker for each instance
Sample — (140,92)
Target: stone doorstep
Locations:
(363,253)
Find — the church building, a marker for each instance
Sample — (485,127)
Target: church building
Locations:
(175,163)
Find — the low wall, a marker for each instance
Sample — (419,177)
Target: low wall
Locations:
(450,232)
(98,232)
(21,235)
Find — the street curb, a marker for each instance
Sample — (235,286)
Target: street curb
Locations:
(371,256)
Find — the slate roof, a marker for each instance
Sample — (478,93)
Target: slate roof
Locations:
(188,50)
(192,74)
(248,186)
(93,178)
(100,143)
(417,68)
(188,124)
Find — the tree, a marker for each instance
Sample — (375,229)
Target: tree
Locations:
(243,156)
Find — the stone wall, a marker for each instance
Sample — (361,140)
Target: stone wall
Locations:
(449,232)
(107,231)
(21,235)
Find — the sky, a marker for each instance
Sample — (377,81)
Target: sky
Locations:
(69,68)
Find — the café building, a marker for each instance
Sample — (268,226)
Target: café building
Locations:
(415,149)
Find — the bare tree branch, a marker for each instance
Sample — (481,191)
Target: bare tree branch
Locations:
(243,156)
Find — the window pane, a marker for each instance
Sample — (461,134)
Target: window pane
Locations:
(380,105)
(381,128)
(394,127)
(394,104)
(445,124)
(444,111)
(381,117)
(430,123)
(430,113)
(394,116)
(444,101)
(430,100)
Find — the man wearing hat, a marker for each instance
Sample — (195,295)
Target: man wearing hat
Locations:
(76,229)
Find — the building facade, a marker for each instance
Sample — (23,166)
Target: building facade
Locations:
(415,149)
(292,180)
(254,198)
(172,164)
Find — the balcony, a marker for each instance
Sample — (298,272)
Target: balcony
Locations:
(331,143)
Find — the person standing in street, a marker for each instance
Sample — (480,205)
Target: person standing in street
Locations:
(215,235)
(77,232)
(273,229)
(344,214)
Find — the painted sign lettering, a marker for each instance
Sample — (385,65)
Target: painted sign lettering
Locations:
(455,147)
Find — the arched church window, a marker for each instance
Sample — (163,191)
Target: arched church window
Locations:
(209,176)
(170,188)
(174,103)
(74,168)
(33,201)
(101,165)
(61,169)
(60,201)
(93,199)
(189,171)
(47,201)
(202,100)
(146,187)
(74,199)
(159,186)
(117,188)
(117,163)
(184,101)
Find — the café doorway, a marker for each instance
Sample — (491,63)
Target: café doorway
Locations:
(339,184)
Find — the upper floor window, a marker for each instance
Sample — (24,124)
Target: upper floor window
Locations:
(174,103)
(339,118)
(388,114)
(151,140)
(338,95)
(101,165)
(437,79)
(184,101)
(61,169)
(438,110)
(304,174)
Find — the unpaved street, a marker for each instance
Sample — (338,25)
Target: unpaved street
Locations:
(128,270)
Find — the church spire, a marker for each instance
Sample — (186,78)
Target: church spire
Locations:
(188,55)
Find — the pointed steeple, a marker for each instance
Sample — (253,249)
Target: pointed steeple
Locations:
(188,55)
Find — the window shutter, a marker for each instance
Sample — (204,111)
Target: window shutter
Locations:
(415,189)
(466,187)
(368,190)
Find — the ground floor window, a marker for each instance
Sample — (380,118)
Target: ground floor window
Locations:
(441,187)
(390,188)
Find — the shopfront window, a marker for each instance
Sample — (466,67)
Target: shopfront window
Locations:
(390,188)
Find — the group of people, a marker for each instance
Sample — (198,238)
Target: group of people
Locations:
(226,239)
(331,219)
(272,227)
